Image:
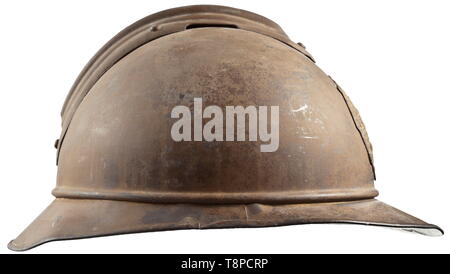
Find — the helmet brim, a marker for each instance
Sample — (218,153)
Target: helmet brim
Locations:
(84,218)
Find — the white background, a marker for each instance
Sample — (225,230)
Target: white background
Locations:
(391,57)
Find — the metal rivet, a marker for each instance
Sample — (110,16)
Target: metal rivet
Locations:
(154,28)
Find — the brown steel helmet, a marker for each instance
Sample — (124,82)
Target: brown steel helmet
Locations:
(208,117)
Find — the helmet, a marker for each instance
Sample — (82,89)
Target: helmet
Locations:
(208,117)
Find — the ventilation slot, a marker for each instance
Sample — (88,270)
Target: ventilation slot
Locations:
(197,26)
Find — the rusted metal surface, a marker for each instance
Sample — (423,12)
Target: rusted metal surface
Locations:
(123,150)
(129,217)
(158,25)
(120,171)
